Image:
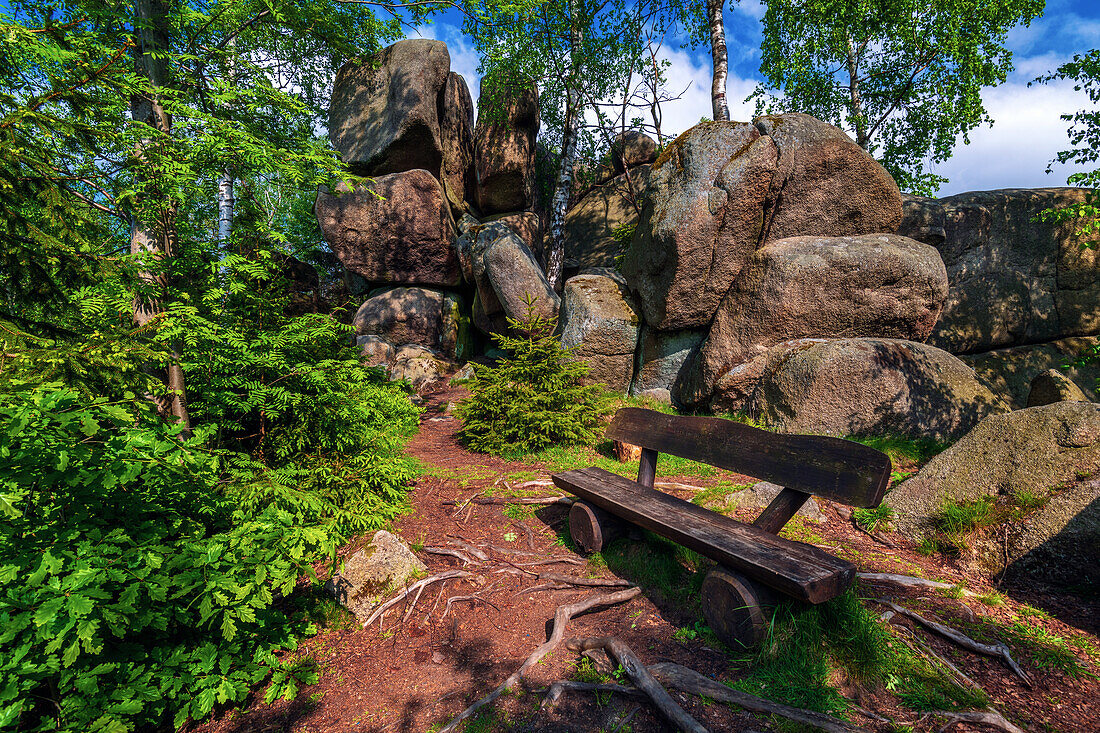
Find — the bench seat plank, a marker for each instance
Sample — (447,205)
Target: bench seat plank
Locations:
(794,568)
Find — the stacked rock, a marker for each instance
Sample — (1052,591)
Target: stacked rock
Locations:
(769,278)
(405,120)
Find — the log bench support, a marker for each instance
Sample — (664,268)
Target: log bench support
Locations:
(756,567)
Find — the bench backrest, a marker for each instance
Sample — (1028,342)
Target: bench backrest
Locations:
(833,468)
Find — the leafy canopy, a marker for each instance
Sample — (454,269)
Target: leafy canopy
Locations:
(905,75)
(1084,136)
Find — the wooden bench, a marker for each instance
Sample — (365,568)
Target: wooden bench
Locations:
(754,562)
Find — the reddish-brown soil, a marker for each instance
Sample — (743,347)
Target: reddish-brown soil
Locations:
(408,676)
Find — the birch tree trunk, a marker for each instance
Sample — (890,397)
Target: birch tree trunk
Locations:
(555,259)
(151,233)
(719,59)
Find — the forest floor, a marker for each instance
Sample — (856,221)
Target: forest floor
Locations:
(423,665)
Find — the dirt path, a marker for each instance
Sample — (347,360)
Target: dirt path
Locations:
(414,675)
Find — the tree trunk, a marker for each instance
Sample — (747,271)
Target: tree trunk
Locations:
(719,59)
(155,233)
(226,202)
(862,138)
(555,259)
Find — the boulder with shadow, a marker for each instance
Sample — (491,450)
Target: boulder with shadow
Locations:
(869,387)
(600,325)
(879,285)
(1039,466)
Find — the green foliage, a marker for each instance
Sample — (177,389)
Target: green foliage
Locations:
(1084,136)
(135,592)
(533,398)
(873,519)
(806,644)
(905,75)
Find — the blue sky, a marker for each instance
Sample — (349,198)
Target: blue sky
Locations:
(1027,132)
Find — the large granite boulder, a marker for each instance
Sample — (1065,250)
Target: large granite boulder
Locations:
(826,185)
(600,324)
(869,387)
(593,236)
(701,222)
(456,136)
(1015,279)
(506,275)
(504,147)
(1052,386)
(661,358)
(1010,372)
(374,573)
(384,111)
(526,224)
(428,318)
(400,233)
(632,148)
(1051,453)
(878,285)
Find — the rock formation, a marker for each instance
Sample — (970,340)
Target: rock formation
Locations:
(1052,452)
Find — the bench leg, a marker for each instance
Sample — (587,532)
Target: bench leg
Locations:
(736,608)
(592,528)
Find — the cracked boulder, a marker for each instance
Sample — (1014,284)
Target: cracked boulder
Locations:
(701,223)
(600,324)
(405,237)
(825,184)
(878,285)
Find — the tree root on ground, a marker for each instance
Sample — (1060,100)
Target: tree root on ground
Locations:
(989,650)
(990,718)
(553,694)
(452,553)
(690,681)
(412,589)
(909,581)
(642,678)
(562,616)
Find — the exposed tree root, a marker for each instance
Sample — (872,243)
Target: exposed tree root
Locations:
(527,531)
(567,500)
(989,650)
(562,616)
(551,561)
(642,678)
(452,553)
(990,718)
(688,680)
(908,581)
(476,597)
(412,589)
(553,694)
(470,549)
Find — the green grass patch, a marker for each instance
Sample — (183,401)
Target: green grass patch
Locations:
(873,519)
(660,565)
(718,494)
(903,452)
(463,476)
(566,458)
(1044,649)
(807,645)
(519,512)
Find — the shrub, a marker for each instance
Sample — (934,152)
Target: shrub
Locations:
(533,398)
(141,573)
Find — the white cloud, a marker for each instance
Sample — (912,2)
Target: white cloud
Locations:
(1026,135)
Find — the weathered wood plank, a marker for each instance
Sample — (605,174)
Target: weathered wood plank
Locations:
(793,568)
(777,513)
(834,468)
